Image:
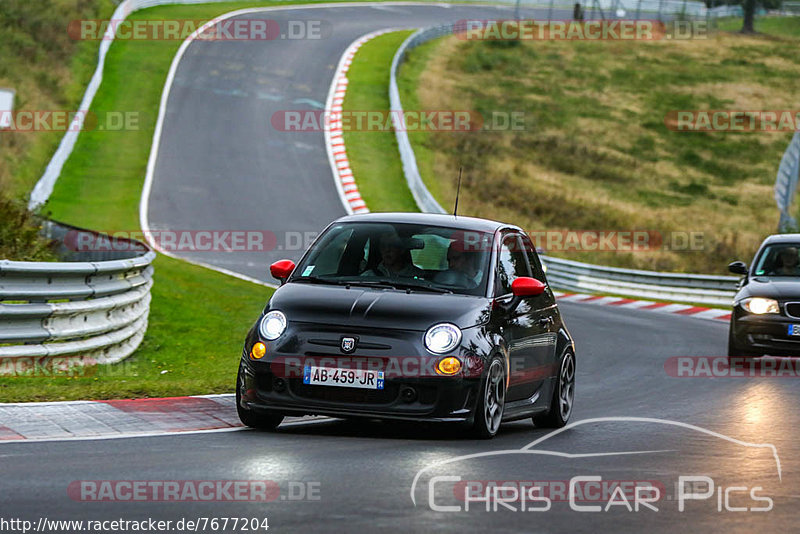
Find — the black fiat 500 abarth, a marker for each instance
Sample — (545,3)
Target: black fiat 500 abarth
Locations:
(414,317)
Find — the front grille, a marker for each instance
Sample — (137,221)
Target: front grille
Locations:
(339,394)
(793,309)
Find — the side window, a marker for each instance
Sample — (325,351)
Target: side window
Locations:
(328,260)
(533,259)
(511,265)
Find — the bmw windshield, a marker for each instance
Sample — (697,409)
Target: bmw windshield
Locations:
(779,260)
(401,256)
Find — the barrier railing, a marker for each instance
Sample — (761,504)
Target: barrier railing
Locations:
(91,309)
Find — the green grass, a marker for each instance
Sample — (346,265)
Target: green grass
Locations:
(49,71)
(373,155)
(595,154)
(778,26)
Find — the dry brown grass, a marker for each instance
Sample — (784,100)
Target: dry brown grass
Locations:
(595,153)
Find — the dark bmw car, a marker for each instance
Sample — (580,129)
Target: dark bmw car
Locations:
(413,317)
(766,309)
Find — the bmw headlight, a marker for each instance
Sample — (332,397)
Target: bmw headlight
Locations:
(442,338)
(272,325)
(759,305)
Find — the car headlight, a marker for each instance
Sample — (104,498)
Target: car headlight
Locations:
(442,338)
(760,305)
(272,325)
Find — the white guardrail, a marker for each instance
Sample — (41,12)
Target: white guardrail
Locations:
(564,274)
(88,311)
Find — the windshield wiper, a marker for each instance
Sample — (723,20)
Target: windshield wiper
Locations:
(392,284)
(318,280)
(411,285)
(333,281)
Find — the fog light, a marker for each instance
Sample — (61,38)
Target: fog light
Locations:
(408,394)
(449,366)
(279,385)
(258,351)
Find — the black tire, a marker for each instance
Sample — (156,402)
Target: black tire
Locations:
(490,406)
(260,420)
(560,410)
(736,354)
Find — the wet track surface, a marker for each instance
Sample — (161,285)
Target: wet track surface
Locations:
(222,167)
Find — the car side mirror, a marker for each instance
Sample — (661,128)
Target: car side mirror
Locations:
(738,267)
(525,286)
(281,270)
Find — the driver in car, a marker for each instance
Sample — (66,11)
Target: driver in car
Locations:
(395,259)
(788,263)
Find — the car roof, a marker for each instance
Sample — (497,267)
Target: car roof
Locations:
(433,219)
(782,238)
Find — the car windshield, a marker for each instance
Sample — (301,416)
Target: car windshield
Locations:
(403,256)
(779,260)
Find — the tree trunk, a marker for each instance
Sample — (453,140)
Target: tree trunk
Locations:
(749,7)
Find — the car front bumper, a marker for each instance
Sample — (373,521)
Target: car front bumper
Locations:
(766,333)
(440,399)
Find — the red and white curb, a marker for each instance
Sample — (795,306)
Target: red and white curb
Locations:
(647,305)
(126,418)
(334,133)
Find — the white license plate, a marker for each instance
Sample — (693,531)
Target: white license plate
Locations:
(348,378)
(794,329)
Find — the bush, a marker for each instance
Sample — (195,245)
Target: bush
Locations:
(19,234)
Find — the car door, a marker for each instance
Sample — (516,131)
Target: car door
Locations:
(544,312)
(526,334)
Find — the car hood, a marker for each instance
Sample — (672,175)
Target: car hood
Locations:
(771,287)
(390,309)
